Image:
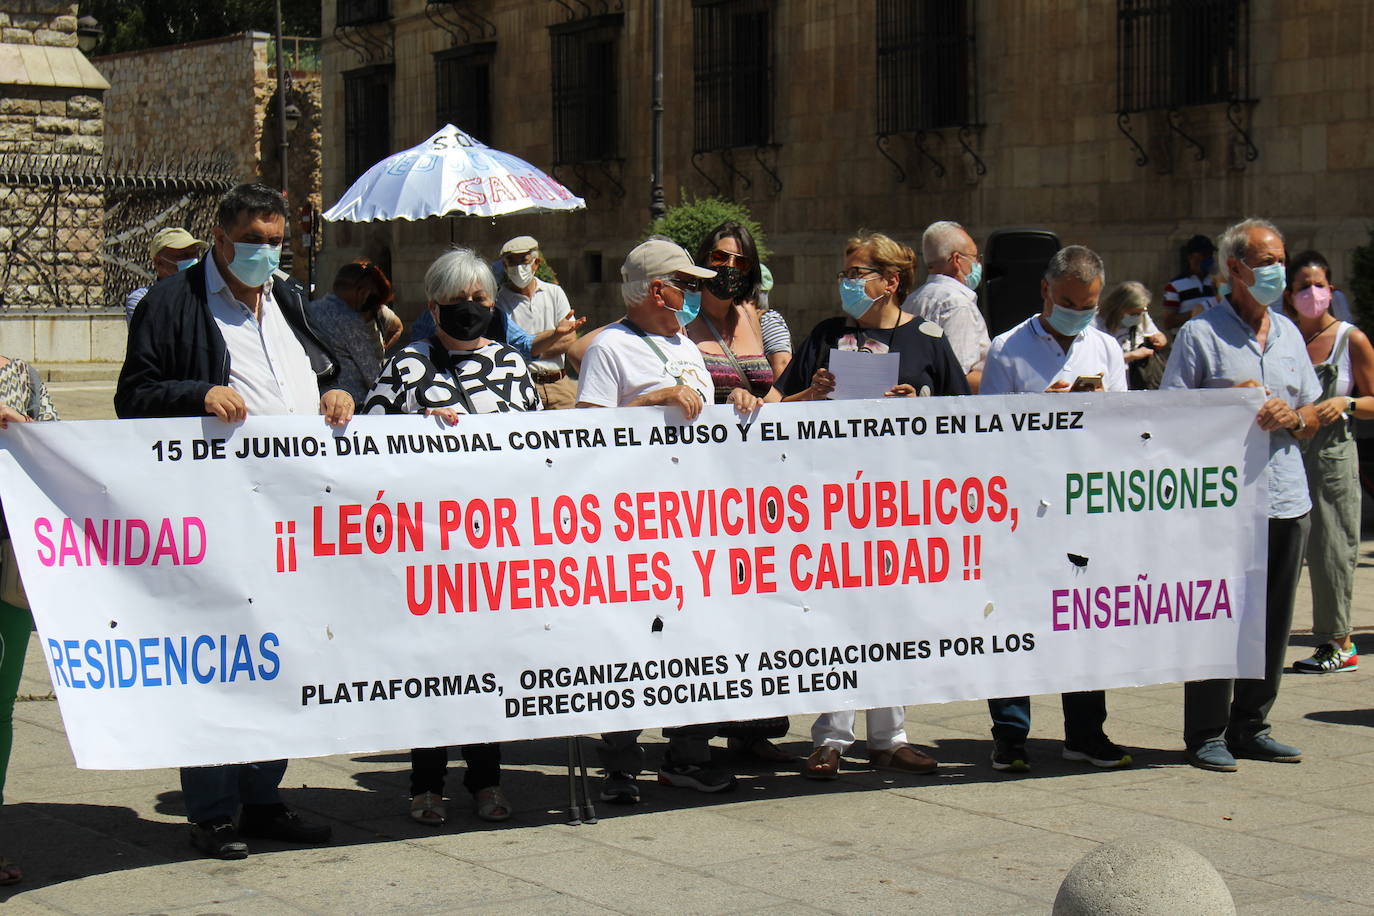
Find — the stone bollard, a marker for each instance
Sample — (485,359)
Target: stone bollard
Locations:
(1152,877)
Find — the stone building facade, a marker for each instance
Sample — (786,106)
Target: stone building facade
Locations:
(215,100)
(50,122)
(1057,114)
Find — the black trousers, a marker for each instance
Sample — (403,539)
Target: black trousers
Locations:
(429,764)
(1238,710)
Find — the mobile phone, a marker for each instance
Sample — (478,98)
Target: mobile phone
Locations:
(1087,383)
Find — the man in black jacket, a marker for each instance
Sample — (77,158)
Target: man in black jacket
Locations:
(228,338)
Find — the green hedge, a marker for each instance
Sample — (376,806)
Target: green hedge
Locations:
(690,221)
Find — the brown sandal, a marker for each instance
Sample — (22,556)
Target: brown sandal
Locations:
(10,873)
(824,763)
(904,757)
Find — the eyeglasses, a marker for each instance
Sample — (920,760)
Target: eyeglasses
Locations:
(972,257)
(719,257)
(857,272)
(684,284)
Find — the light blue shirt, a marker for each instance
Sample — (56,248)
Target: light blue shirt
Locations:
(1217,349)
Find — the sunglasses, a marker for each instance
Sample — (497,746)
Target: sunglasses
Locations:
(684,284)
(721,258)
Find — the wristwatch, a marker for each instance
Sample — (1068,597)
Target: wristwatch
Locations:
(1302,422)
(1350,405)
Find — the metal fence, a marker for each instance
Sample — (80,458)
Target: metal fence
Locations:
(1175,53)
(926,73)
(732,74)
(74,231)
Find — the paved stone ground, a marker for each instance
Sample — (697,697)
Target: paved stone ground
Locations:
(1286,838)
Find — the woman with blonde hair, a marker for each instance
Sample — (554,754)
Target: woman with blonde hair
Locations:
(1124,313)
(878,273)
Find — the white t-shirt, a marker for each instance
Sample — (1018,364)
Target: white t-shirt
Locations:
(538,313)
(620,366)
(1028,359)
(268,367)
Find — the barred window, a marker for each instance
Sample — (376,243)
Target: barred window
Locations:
(585,100)
(367,119)
(1174,53)
(361,12)
(926,67)
(462,95)
(732,73)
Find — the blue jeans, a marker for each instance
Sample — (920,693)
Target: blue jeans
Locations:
(1084,714)
(217,791)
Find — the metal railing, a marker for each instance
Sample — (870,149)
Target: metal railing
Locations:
(1176,53)
(74,230)
(585,96)
(732,50)
(361,12)
(927,78)
(462,88)
(302,54)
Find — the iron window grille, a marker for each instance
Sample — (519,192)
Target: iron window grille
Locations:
(361,12)
(732,74)
(462,95)
(1176,53)
(367,119)
(927,77)
(585,97)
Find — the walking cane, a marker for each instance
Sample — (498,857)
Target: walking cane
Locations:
(583,812)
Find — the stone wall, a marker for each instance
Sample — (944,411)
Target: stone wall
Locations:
(1054,156)
(213,99)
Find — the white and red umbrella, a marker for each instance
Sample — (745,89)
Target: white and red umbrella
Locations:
(451,174)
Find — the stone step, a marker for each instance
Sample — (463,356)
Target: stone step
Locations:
(79,372)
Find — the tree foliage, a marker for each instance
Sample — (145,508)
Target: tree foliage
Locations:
(156,23)
(690,221)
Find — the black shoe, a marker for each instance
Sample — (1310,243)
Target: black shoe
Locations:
(1098,751)
(1010,757)
(282,824)
(218,839)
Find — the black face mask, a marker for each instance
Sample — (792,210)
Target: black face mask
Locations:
(728,283)
(465,319)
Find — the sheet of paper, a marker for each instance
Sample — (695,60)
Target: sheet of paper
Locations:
(863,375)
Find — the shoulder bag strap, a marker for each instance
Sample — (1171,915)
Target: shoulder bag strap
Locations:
(652,346)
(729,354)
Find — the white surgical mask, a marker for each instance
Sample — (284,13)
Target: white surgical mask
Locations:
(520,275)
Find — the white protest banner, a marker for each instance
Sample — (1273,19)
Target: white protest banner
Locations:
(209,594)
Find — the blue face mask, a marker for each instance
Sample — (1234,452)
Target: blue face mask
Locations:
(254,264)
(1205,268)
(1070,322)
(975,276)
(1269,283)
(189,262)
(691,307)
(854,298)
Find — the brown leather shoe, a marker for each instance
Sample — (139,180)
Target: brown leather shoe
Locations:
(759,749)
(905,758)
(824,763)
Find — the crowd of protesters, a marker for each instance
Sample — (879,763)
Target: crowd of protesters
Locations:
(224,333)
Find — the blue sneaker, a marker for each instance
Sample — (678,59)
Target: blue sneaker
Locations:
(1212,754)
(1264,747)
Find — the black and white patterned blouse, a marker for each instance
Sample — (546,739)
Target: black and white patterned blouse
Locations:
(491,379)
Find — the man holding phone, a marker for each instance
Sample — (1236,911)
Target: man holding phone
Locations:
(1058,349)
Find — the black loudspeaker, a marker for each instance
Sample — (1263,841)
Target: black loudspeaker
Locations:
(1014,261)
